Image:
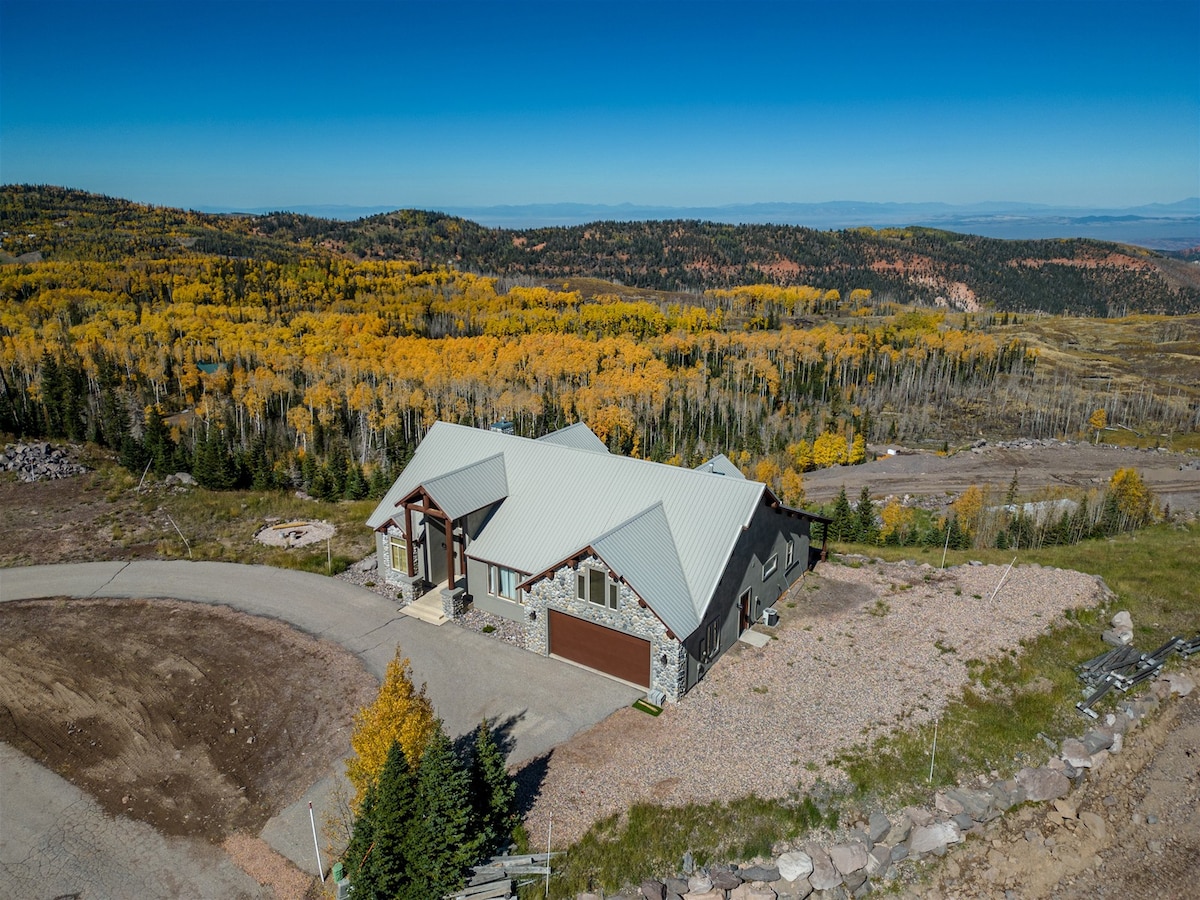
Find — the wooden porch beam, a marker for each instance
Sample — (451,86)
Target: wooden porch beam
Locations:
(409,540)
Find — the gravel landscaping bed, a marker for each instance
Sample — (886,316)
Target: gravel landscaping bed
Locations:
(860,649)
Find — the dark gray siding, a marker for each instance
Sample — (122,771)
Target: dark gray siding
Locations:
(768,535)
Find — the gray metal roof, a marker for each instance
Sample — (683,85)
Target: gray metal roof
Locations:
(642,551)
(578,436)
(720,465)
(561,499)
(469,488)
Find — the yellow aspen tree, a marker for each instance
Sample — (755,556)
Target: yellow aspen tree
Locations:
(858,451)
(969,507)
(400,713)
(829,449)
(897,520)
(1098,421)
(1134,499)
(792,488)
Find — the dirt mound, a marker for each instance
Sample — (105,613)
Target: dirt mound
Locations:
(194,719)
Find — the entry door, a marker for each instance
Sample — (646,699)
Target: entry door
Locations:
(435,547)
(744,610)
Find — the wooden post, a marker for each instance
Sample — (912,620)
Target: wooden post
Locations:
(408,540)
(449,553)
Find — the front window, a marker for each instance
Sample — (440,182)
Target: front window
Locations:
(770,566)
(503,582)
(399,553)
(791,553)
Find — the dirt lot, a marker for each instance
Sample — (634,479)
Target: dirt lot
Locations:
(1061,466)
(197,720)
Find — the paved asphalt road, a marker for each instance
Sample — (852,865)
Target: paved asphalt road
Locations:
(470,677)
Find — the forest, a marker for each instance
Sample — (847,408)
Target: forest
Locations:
(213,345)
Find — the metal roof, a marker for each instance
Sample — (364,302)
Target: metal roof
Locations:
(642,551)
(578,436)
(562,499)
(720,465)
(469,488)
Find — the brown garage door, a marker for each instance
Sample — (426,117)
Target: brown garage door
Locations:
(620,655)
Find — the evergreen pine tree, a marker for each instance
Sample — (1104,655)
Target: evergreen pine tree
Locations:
(158,443)
(362,844)
(493,792)
(443,844)
(262,473)
(337,470)
(132,455)
(842,527)
(379,483)
(356,484)
(391,867)
(865,529)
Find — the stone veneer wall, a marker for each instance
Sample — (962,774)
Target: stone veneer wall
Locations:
(630,617)
(407,587)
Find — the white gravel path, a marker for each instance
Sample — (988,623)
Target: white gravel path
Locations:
(858,650)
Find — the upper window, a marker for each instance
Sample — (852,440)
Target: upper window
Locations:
(503,582)
(791,554)
(399,553)
(770,566)
(596,586)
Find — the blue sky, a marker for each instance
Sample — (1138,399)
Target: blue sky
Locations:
(434,105)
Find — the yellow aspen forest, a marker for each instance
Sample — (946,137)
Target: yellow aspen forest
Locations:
(367,355)
(323,372)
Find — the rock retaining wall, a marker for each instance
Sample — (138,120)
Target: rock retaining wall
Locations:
(870,853)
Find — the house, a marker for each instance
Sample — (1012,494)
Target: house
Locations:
(643,571)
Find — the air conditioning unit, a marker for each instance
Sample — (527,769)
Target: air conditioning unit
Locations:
(770,616)
(657,697)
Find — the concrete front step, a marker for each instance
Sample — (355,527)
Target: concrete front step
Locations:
(427,609)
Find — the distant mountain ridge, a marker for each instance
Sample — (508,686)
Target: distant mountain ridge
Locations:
(1158,226)
(908,264)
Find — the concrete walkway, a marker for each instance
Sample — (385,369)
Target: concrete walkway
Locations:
(470,677)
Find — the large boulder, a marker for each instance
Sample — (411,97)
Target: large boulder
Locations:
(979,805)
(653,890)
(1074,753)
(761,873)
(935,837)
(878,826)
(1043,784)
(848,858)
(724,880)
(699,883)
(824,875)
(794,865)
(1098,739)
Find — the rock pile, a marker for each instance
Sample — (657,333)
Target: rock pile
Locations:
(38,462)
(871,852)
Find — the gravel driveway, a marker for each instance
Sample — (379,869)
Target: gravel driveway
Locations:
(860,650)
